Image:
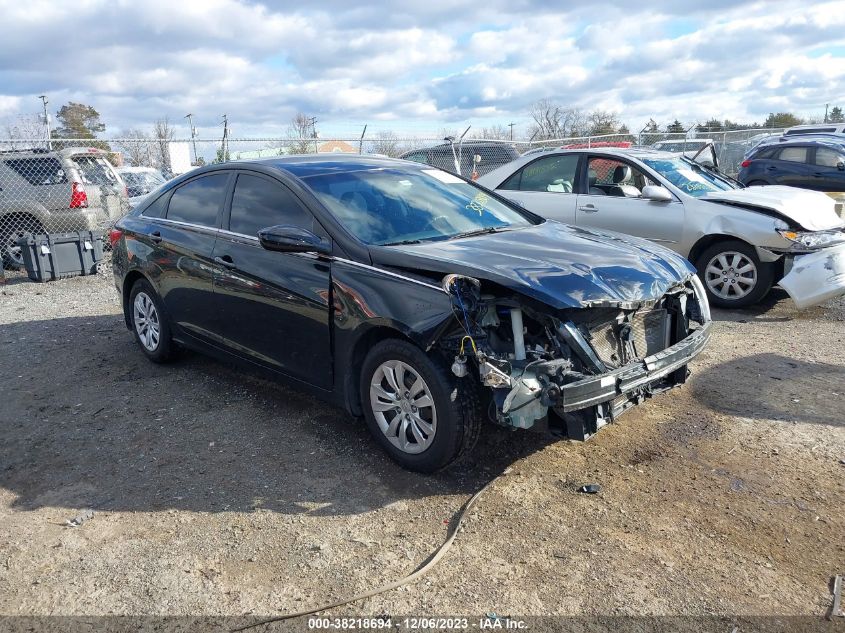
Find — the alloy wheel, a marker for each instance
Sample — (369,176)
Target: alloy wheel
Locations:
(730,275)
(147,323)
(403,406)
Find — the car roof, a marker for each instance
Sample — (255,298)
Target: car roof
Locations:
(805,141)
(305,165)
(637,152)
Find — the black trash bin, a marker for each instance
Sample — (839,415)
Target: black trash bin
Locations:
(50,256)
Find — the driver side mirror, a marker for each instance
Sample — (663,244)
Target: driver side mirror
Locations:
(656,193)
(840,165)
(285,238)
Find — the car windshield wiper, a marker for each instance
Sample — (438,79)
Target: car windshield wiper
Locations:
(489,229)
(402,242)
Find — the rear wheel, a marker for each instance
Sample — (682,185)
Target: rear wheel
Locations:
(11,229)
(149,322)
(733,275)
(422,415)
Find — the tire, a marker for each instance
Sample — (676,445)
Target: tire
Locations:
(150,324)
(449,428)
(12,228)
(731,288)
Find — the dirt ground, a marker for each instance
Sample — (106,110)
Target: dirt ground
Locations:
(218,493)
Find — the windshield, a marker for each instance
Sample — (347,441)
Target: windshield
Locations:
(94,170)
(390,206)
(689,177)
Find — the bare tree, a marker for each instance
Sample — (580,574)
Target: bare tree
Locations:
(137,148)
(496,132)
(554,121)
(163,134)
(602,122)
(301,133)
(386,143)
(27,128)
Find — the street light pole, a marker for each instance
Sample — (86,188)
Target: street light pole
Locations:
(44,102)
(190,118)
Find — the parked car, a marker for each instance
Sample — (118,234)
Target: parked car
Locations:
(492,155)
(694,148)
(407,295)
(780,139)
(815,128)
(810,164)
(73,189)
(740,240)
(140,181)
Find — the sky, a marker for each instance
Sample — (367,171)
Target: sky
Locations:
(418,66)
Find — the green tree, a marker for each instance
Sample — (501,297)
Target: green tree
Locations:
(836,115)
(676,128)
(782,119)
(77,120)
(713,125)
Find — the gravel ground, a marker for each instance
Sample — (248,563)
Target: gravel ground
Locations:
(218,493)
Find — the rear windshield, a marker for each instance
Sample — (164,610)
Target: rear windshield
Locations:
(94,170)
(39,171)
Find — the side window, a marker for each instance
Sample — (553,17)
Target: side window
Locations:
(793,154)
(198,201)
(551,173)
(158,208)
(827,157)
(259,203)
(39,171)
(611,177)
(417,157)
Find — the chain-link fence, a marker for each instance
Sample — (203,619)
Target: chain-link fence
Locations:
(68,185)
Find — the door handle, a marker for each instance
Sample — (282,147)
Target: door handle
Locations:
(771,167)
(155,236)
(818,174)
(588,208)
(225,261)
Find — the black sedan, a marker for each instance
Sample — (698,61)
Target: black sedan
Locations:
(408,296)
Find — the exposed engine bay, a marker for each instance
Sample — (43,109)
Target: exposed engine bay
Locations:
(586,365)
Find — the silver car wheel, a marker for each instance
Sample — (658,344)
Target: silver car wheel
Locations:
(403,406)
(731,275)
(147,323)
(13,251)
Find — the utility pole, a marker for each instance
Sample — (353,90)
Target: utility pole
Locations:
(510,125)
(44,102)
(826,106)
(190,118)
(313,121)
(225,145)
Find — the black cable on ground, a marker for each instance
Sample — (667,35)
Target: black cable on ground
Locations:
(421,571)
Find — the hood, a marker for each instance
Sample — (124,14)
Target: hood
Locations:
(560,265)
(812,210)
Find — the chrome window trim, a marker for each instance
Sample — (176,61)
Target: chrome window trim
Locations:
(190,225)
(388,273)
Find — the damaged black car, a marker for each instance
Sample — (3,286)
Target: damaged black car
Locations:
(411,297)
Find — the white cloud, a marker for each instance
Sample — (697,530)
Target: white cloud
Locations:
(437,61)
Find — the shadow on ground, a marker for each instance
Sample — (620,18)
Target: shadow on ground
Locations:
(89,422)
(774,386)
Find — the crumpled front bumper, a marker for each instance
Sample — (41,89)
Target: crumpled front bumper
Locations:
(816,277)
(626,380)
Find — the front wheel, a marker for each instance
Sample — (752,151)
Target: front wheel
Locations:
(422,415)
(733,275)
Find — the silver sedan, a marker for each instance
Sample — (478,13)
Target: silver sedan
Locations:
(741,240)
